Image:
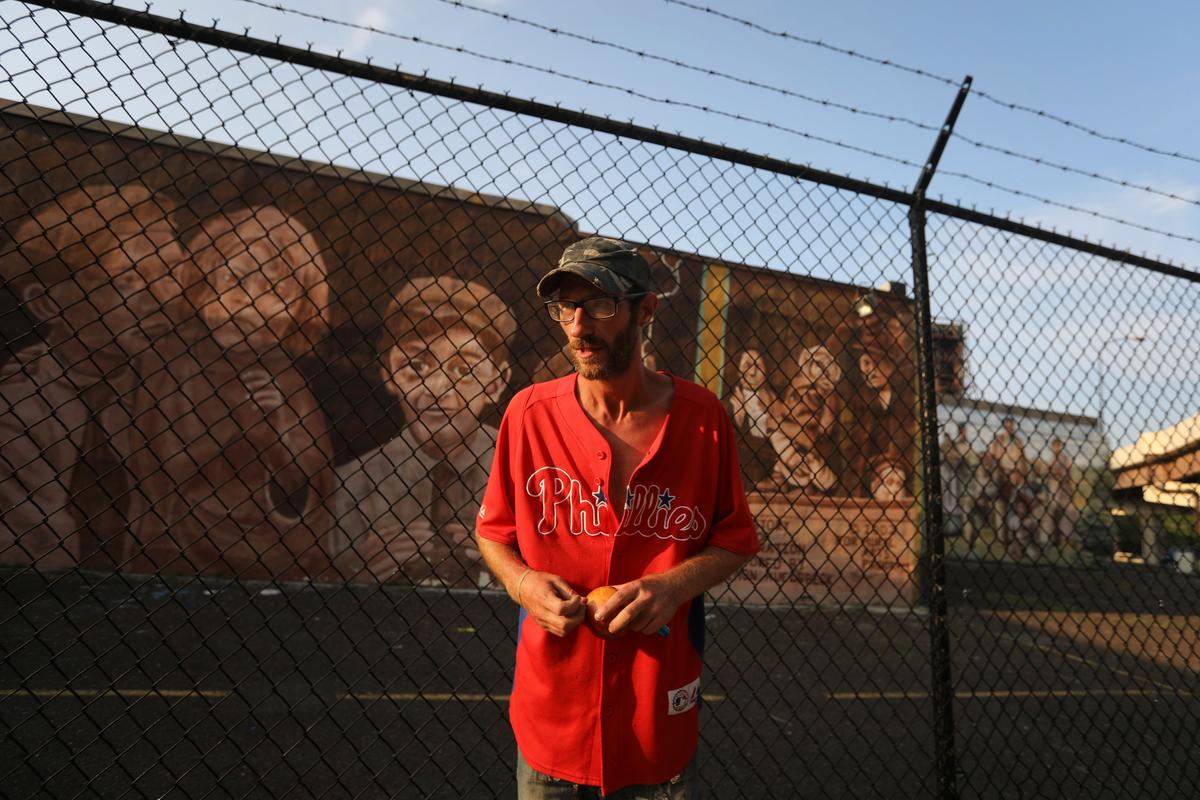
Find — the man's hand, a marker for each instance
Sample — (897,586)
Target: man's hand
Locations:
(551,602)
(644,605)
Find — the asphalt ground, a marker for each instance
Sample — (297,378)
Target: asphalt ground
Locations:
(1069,682)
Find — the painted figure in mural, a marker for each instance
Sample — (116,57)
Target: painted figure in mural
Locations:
(806,415)
(237,471)
(752,396)
(752,405)
(1021,518)
(1061,484)
(889,481)
(957,469)
(876,416)
(407,508)
(1005,466)
(95,267)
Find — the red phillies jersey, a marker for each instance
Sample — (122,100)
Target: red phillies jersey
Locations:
(620,711)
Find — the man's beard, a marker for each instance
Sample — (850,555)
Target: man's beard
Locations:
(616,357)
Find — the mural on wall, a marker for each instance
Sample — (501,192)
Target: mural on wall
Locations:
(93,276)
(1016,482)
(822,396)
(216,365)
(407,507)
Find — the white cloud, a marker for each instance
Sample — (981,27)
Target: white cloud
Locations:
(358,41)
(1132,205)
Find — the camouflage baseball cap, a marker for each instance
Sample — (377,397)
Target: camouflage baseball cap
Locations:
(614,267)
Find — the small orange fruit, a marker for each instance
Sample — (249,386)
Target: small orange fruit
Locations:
(595,599)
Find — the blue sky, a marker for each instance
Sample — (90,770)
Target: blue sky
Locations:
(1125,70)
(1122,69)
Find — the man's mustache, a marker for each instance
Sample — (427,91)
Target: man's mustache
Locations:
(588,343)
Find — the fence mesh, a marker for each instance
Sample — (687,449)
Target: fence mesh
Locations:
(260,321)
(1071,669)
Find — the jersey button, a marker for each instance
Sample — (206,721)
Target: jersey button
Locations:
(601,455)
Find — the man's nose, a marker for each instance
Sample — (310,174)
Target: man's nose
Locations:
(578,324)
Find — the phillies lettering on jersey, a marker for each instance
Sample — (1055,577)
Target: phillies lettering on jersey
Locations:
(649,510)
(625,710)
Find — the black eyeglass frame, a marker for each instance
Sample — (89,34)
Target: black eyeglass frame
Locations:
(575,304)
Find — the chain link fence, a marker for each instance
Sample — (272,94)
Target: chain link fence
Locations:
(262,310)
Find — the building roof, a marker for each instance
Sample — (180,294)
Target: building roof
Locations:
(1016,411)
(1170,454)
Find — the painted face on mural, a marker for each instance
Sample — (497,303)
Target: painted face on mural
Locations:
(752,368)
(263,274)
(804,411)
(119,254)
(888,481)
(142,273)
(445,380)
(876,369)
(817,367)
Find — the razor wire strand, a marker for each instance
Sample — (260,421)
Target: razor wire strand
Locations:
(886,62)
(819,101)
(641,53)
(748,119)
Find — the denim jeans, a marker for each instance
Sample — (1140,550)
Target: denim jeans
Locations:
(534,785)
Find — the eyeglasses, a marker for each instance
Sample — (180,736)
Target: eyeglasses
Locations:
(599,307)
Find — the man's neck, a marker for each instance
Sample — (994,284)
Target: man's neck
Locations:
(612,399)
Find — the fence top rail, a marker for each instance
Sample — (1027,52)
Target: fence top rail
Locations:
(178,27)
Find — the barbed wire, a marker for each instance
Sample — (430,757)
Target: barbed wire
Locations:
(887,62)
(587,81)
(1074,170)
(1038,160)
(828,103)
(1067,206)
(650,56)
(711,110)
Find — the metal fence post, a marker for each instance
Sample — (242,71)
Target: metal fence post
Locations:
(935,567)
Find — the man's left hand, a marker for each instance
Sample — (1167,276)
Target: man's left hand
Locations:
(644,605)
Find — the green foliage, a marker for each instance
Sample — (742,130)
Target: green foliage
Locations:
(1179,529)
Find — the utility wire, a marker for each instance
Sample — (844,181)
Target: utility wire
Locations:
(1043,162)
(934,76)
(710,110)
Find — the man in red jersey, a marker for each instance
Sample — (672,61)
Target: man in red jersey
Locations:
(615,476)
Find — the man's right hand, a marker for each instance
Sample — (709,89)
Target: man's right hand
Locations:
(552,602)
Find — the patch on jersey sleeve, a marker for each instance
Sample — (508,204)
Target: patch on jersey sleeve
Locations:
(684,698)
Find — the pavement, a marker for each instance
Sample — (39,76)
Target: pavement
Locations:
(1069,682)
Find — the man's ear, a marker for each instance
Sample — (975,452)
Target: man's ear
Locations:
(648,307)
(36,298)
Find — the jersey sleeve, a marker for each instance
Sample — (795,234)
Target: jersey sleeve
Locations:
(733,528)
(497,517)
